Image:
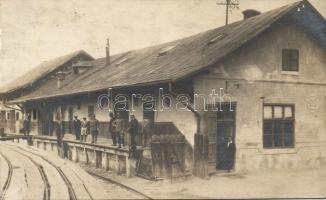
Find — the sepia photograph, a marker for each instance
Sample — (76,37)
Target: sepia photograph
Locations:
(162,99)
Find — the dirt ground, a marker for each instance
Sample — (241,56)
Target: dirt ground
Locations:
(265,184)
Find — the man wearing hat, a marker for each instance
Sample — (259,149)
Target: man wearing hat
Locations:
(77,127)
(112,129)
(94,128)
(133,127)
(229,153)
(119,126)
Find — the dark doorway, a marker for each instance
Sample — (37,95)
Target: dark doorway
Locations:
(12,121)
(46,119)
(225,154)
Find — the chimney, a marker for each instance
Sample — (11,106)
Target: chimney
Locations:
(60,79)
(250,13)
(107,52)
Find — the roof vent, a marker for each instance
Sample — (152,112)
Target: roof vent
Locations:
(166,50)
(61,76)
(216,38)
(81,66)
(250,13)
(121,61)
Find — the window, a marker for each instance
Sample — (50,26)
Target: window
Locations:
(290,60)
(17,116)
(278,127)
(8,116)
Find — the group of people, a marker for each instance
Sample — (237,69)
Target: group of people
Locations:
(118,128)
(83,128)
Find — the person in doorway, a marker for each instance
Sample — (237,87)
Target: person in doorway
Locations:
(94,128)
(27,125)
(84,130)
(119,126)
(112,129)
(147,132)
(133,127)
(77,127)
(229,154)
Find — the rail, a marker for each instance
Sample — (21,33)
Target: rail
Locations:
(8,181)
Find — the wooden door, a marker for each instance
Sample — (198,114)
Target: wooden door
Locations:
(211,129)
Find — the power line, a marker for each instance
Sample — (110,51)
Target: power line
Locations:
(230,5)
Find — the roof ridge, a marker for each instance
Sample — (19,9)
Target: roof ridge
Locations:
(42,65)
(192,56)
(208,30)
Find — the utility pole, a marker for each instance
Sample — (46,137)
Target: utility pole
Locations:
(229,4)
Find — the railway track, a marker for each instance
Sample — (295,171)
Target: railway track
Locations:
(8,181)
(136,192)
(47,187)
(71,191)
(47,190)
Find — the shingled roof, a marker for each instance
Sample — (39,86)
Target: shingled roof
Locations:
(170,61)
(40,71)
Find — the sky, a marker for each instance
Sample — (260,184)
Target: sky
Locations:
(32,31)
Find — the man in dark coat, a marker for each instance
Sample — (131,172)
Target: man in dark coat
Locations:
(230,154)
(77,127)
(94,128)
(147,131)
(27,125)
(57,125)
(119,126)
(133,127)
(112,129)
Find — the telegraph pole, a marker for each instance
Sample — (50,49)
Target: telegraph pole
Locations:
(229,4)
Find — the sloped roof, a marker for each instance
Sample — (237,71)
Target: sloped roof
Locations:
(40,71)
(167,62)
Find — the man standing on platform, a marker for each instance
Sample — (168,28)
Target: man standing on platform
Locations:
(57,124)
(119,125)
(94,128)
(77,127)
(112,129)
(27,125)
(84,130)
(133,127)
(147,132)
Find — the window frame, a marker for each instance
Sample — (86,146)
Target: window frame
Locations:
(283,119)
(289,51)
